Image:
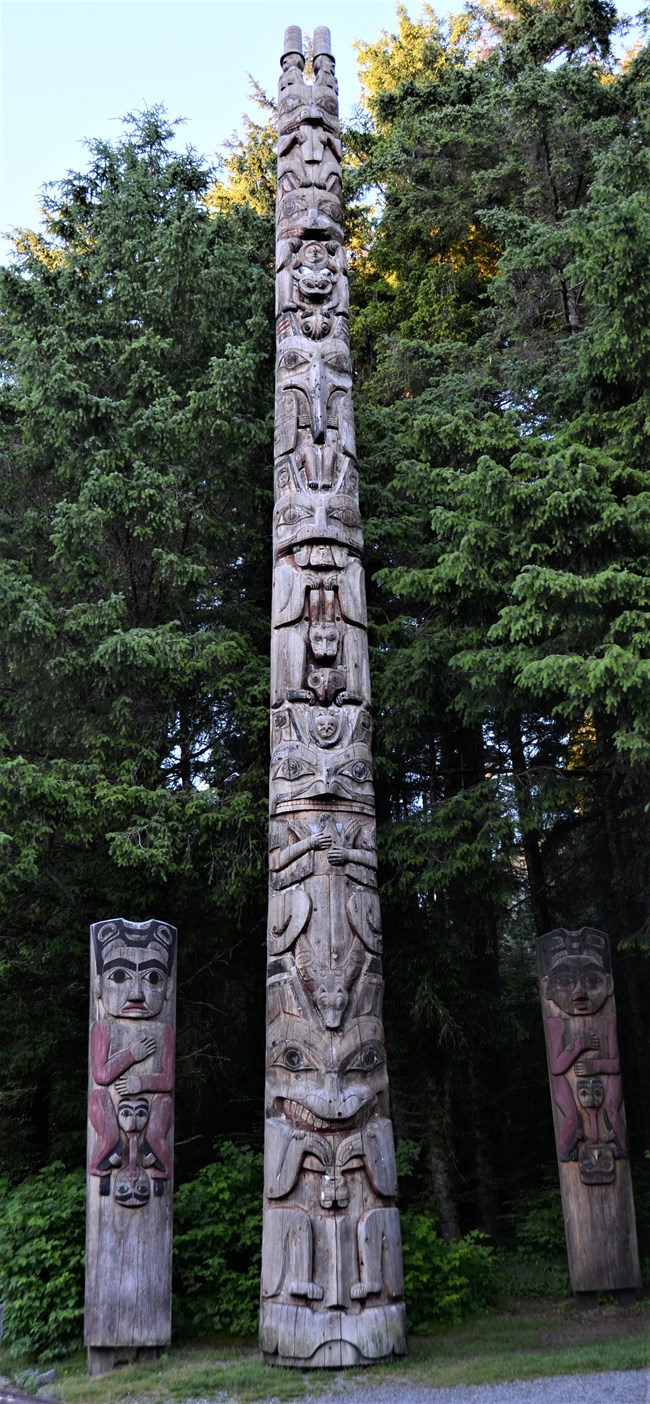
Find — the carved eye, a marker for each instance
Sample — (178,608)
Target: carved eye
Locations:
(347,514)
(153,977)
(119,977)
(293,1059)
(293,361)
(368,1059)
(357,770)
(292,514)
(293,769)
(339,361)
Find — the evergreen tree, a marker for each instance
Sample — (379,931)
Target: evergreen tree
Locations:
(136,418)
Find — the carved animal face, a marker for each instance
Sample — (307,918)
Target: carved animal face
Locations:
(134,983)
(301,517)
(299,772)
(316,372)
(324,642)
(309,211)
(578,985)
(325,1078)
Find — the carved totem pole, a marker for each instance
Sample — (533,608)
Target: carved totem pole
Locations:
(587,1094)
(130,1141)
(332,1283)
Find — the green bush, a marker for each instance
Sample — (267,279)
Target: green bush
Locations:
(218,1245)
(42,1232)
(443,1281)
(538,1221)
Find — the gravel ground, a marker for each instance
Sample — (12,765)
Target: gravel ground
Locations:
(609,1387)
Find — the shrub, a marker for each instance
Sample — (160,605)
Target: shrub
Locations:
(218,1245)
(42,1232)
(443,1281)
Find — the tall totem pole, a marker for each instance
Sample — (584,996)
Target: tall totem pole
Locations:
(332,1285)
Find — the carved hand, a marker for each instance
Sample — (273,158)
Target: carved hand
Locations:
(589,1040)
(128,1084)
(338,855)
(322,841)
(143,1048)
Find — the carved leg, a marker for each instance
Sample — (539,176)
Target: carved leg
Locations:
(103,1117)
(154,1146)
(287,1255)
(571,1125)
(380,1256)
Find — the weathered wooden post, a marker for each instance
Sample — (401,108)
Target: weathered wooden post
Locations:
(587,1094)
(332,1287)
(130,1141)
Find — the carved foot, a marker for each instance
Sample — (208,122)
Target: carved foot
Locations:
(158,1188)
(311,1290)
(104,1184)
(359,1290)
(149,1157)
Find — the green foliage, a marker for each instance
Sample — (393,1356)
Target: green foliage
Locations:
(217,1246)
(42,1232)
(443,1281)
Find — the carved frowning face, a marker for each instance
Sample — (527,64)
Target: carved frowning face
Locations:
(307,211)
(329,516)
(322,1078)
(578,985)
(300,773)
(134,982)
(132,1114)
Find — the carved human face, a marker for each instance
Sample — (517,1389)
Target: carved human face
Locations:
(132,1114)
(134,983)
(578,985)
(591,1093)
(300,773)
(322,1078)
(132,1188)
(326,727)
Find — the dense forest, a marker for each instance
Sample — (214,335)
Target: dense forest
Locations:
(498,194)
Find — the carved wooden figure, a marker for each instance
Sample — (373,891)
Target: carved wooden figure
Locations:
(332,1286)
(130,1141)
(585,1076)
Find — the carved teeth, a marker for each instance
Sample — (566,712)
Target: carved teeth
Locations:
(299,1113)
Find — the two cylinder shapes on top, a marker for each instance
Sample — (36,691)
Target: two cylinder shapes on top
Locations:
(332,1285)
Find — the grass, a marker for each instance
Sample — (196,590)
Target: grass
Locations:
(528,1341)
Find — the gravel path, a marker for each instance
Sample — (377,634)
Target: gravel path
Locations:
(608,1387)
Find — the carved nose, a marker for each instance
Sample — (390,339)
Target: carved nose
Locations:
(318,402)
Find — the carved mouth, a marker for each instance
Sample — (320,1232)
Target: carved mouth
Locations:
(302,1117)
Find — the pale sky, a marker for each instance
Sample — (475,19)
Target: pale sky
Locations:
(72,68)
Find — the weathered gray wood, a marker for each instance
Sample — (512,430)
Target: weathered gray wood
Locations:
(332,1286)
(130,1140)
(577,992)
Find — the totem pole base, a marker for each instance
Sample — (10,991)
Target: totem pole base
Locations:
(298,1337)
(101,1359)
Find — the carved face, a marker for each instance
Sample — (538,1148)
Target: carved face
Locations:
(326,727)
(133,1113)
(317,371)
(322,1079)
(324,642)
(134,983)
(591,1093)
(132,1188)
(301,517)
(578,985)
(299,773)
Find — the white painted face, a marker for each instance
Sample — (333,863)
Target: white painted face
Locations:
(134,983)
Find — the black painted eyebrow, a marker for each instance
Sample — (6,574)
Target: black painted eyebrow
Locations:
(131,965)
